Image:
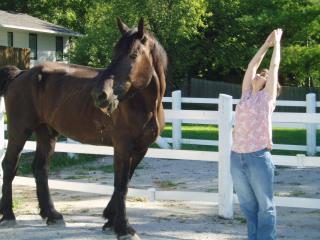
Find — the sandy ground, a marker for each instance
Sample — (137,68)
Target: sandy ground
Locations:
(162,220)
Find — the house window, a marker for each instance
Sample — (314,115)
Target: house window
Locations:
(10,39)
(59,48)
(33,45)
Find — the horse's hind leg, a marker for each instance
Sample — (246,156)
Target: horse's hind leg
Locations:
(9,166)
(46,139)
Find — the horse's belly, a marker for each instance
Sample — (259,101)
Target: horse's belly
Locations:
(93,140)
(84,132)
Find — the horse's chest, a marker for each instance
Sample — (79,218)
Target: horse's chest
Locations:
(138,121)
(148,133)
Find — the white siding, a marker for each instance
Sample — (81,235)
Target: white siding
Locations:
(3,37)
(46,44)
(46,48)
(66,48)
(20,39)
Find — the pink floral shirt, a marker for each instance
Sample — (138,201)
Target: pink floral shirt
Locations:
(252,128)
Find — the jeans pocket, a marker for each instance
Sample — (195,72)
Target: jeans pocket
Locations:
(269,159)
(260,154)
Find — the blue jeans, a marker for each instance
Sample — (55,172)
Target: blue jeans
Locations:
(253,175)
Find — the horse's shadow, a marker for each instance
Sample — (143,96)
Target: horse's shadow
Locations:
(151,224)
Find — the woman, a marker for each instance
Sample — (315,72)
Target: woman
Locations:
(251,165)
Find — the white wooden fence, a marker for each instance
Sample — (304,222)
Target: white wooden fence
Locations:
(310,105)
(225,196)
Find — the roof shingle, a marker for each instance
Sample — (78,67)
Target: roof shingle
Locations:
(26,22)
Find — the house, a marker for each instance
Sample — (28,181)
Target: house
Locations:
(47,41)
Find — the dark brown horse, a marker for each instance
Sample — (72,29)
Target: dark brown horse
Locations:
(119,106)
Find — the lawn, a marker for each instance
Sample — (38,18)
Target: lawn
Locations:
(189,131)
(211,132)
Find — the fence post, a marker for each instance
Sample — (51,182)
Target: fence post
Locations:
(176,123)
(2,150)
(162,143)
(225,184)
(71,155)
(151,194)
(311,127)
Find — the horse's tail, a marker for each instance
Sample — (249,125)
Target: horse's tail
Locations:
(7,74)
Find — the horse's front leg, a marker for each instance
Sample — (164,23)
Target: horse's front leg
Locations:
(122,165)
(110,211)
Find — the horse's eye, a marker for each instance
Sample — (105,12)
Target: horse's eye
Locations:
(143,40)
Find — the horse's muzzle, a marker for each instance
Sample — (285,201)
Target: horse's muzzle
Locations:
(107,103)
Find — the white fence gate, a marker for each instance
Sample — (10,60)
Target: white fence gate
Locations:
(225,196)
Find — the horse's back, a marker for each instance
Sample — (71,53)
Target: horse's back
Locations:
(35,95)
(72,70)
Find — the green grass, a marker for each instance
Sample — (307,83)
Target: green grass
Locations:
(290,136)
(76,177)
(241,220)
(211,132)
(189,131)
(295,193)
(59,161)
(17,202)
(106,168)
(166,184)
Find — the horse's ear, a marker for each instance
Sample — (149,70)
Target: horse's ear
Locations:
(122,26)
(141,28)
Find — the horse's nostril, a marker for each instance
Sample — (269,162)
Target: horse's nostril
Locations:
(100,99)
(102,96)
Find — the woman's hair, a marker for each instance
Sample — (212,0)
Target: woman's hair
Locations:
(265,73)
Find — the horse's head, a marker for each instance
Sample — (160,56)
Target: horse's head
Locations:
(131,68)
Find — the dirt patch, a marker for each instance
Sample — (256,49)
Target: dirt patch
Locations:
(162,220)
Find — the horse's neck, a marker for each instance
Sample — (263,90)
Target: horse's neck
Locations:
(152,96)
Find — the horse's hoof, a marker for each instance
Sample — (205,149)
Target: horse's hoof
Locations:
(56,222)
(129,237)
(109,233)
(8,223)
(108,226)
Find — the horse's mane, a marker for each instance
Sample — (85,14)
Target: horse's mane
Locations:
(160,61)
(159,54)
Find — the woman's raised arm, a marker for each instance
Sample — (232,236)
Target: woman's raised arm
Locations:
(255,63)
(272,81)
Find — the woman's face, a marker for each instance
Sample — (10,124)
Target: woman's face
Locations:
(259,80)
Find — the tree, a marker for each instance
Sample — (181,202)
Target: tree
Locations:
(212,39)
(238,28)
(68,13)
(176,24)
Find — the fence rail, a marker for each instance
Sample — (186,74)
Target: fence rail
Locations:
(225,196)
(284,103)
(282,120)
(152,195)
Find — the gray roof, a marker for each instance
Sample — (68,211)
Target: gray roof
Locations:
(26,22)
